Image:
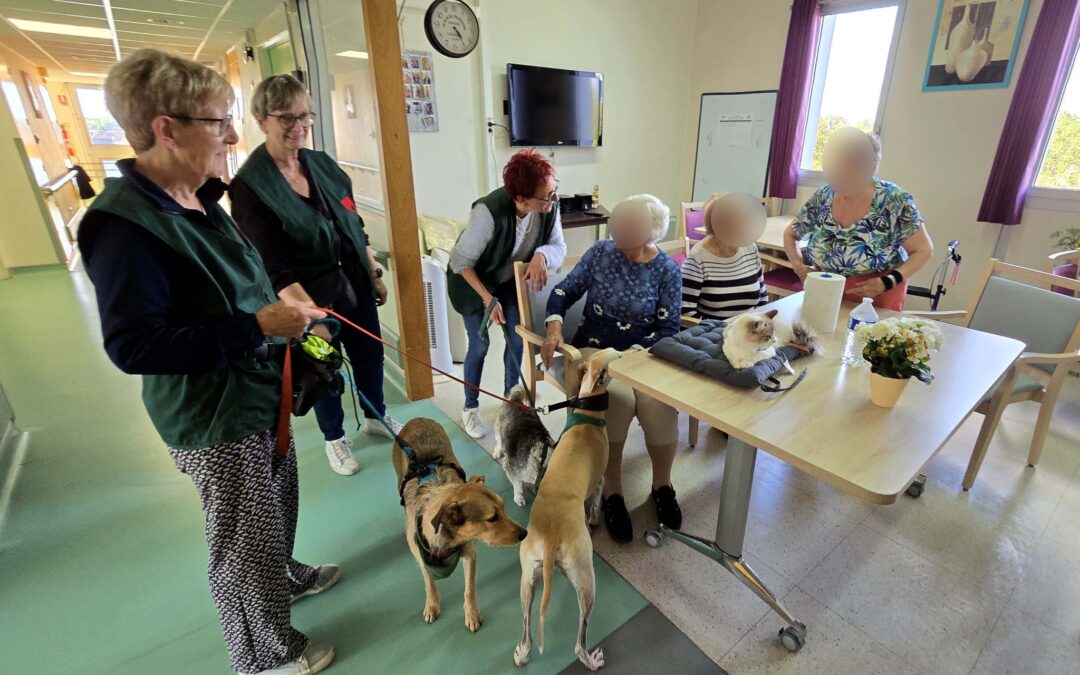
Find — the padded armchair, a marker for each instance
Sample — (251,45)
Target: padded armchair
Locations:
(1017,302)
(1064,264)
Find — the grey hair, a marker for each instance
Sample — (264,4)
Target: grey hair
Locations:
(659,215)
(277,92)
(150,82)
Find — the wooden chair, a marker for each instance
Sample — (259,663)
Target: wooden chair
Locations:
(563,374)
(1064,264)
(1017,302)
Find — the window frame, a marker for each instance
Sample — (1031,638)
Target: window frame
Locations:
(1055,198)
(813,177)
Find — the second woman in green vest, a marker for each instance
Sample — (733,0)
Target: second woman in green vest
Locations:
(297,207)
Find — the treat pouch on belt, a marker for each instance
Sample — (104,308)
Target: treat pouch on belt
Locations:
(226,277)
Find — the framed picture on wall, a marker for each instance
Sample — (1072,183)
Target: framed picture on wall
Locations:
(31,94)
(974,44)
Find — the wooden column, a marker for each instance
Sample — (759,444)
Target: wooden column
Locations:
(384,50)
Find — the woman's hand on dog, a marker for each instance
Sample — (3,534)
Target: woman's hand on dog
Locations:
(552,343)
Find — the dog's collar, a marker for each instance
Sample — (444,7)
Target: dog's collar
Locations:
(440,564)
(574,419)
(594,403)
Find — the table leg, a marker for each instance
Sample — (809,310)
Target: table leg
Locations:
(730,532)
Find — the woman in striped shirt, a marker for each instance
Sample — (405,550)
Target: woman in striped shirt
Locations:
(723,275)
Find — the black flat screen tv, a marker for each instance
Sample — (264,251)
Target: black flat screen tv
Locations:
(550,106)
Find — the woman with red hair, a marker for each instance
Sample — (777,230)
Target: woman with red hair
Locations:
(516,223)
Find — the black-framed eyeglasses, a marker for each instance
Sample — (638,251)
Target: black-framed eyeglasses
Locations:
(223,122)
(288,120)
(553,196)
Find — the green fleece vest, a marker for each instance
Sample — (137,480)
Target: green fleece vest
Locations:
(313,240)
(227,277)
(493,260)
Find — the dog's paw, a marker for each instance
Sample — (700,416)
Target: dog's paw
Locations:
(594,661)
(519,498)
(431,612)
(521,653)
(473,620)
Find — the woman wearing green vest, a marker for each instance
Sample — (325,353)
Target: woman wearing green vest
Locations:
(184,302)
(516,223)
(296,205)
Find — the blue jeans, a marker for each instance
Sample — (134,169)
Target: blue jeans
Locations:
(366,356)
(474,358)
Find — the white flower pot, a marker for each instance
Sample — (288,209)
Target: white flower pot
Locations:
(885,391)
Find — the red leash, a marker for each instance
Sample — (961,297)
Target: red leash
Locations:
(371,335)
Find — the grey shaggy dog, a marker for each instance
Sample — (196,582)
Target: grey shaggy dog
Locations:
(522,443)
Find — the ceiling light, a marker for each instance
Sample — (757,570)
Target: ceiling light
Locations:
(61,29)
(353,54)
(77,73)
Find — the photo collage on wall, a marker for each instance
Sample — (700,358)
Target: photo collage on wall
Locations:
(418,73)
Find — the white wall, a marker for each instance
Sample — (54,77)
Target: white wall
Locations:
(939,145)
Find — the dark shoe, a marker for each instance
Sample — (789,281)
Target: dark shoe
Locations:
(667,509)
(617,519)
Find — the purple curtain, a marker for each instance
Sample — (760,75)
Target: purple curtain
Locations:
(1032,111)
(789,127)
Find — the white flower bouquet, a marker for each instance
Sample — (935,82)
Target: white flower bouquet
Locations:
(900,347)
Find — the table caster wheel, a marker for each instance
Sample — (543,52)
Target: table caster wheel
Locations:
(791,639)
(654,538)
(915,490)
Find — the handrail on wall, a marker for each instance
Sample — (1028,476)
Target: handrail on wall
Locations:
(362,167)
(53,187)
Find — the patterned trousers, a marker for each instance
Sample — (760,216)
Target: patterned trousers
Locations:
(250,497)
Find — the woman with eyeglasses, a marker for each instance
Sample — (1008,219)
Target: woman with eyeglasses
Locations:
(185,302)
(516,223)
(297,207)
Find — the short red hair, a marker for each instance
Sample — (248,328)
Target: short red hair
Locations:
(526,173)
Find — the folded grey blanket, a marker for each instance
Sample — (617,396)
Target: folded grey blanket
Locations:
(701,349)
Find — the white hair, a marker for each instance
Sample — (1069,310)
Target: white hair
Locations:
(659,215)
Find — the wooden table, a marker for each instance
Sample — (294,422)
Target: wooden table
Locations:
(595,217)
(826,426)
(773,236)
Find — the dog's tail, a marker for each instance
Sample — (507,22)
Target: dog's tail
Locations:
(549,570)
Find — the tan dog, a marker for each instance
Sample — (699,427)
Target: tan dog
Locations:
(452,513)
(558,531)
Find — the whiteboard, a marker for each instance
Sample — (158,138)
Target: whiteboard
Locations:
(734,140)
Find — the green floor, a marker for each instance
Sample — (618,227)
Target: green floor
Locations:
(102,557)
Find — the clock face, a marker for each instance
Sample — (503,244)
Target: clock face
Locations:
(452,28)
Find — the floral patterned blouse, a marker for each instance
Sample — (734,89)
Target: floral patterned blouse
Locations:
(626,303)
(872,244)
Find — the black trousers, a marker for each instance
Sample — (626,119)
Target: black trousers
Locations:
(250,498)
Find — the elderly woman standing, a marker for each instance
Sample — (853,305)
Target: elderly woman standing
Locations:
(185,303)
(297,206)
(860,226)
(517,222)
(632,294)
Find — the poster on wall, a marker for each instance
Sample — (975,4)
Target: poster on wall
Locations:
(418,75)
(974,44)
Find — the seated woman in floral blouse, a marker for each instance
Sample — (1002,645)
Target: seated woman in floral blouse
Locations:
(632,294)
(860,226)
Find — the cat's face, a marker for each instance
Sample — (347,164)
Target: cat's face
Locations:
(758,328)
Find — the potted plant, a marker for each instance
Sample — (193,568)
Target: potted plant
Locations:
(1067,239)
(898,349)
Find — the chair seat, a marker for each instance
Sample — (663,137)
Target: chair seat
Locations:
(1024,384)
(785,278)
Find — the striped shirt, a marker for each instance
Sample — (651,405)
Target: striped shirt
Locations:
(720,288)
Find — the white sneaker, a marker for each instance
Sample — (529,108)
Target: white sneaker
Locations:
(339,453)
(377,428)
(328,576)
(474,426)
(315,659)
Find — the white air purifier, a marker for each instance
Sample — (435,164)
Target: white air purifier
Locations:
(435,299)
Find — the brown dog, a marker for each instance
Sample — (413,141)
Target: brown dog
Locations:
(558,531)
(450,514)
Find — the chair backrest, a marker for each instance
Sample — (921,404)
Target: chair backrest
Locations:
(1064,264)
(533,305)
(1045,321)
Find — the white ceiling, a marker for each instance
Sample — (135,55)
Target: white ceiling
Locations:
(195,29)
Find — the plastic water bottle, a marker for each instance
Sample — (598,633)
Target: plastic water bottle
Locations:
(863,315)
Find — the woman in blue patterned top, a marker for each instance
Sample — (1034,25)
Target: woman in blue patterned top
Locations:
(632,295)
(860,226)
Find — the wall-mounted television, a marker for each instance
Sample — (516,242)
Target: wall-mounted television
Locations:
(551,106)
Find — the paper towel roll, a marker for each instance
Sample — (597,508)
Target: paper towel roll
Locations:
(821,303)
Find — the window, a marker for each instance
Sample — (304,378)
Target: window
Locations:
(1060,166)
(100,125)
(854,62)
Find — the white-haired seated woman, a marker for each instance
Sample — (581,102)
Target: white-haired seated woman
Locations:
(632,293)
